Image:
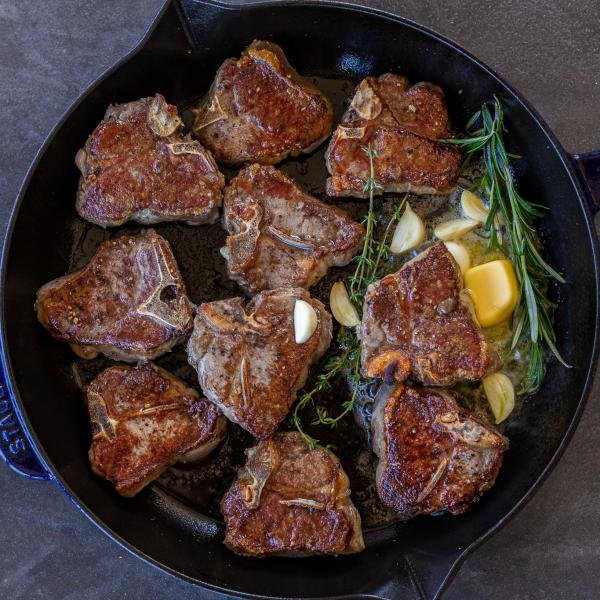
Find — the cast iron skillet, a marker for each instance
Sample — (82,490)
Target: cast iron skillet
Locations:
(43,427)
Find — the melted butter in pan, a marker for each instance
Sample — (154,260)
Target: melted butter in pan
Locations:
(203,269)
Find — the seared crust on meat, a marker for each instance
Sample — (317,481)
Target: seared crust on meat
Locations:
(279,236)
(145,419)
(129,302)
(247,359)
(259,109)
(403,125)
(290,500)
(421,321)
(433,455)
(138,166)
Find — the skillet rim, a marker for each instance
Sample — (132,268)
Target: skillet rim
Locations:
(565,158)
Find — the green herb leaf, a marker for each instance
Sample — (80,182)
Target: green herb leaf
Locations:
(347,361)
(533,326)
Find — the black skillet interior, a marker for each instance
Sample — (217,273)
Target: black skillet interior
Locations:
(327,42)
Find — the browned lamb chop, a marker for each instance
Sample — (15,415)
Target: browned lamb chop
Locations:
(247,358)
(280,236)
(433,455)
(403,125)
(145,419)
(260,110)
(290,500)
(138,166)
(421,321)
(129,302)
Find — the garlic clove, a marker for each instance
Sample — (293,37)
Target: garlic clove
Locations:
(409,233)
(305,321)
(451,230)
(500,393)
(342,308)
(473,206)
(460,254)
(80,159)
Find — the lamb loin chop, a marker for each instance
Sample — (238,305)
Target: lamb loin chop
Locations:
(247,359)
(279,236)
(433,455)
(403,125)
(129,302)
(292,501)
(259,109)
(145,419)
(420,321)
(138,166)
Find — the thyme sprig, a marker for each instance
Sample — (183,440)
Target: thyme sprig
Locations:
(332,368)
(533,329)
(365,259)
(347,360)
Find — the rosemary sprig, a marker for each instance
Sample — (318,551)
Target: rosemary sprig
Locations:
(347,361)
(533,329)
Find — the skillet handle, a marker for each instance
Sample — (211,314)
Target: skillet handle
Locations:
(15,448)
(587,166)
(415,575)
(206,20)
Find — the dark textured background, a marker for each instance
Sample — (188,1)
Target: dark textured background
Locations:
(550,51)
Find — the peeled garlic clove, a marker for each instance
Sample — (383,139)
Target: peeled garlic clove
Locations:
(450,230)
(409,233)
(460,254)
(80,159)
(500,393)
(473,206)
(342,309)
(305,321)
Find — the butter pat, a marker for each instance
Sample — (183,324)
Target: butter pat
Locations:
(494,289)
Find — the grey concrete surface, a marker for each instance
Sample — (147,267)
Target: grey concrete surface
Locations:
(550,50)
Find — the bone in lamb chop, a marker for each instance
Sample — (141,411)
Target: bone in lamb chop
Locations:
(280,236)
(129,302)
(403,125)
(290,500)
(433,455)
(420,321)
(247,359)
(145,419)
(259,109)
(137,165)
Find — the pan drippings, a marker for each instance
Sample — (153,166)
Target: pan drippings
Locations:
(196,250)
